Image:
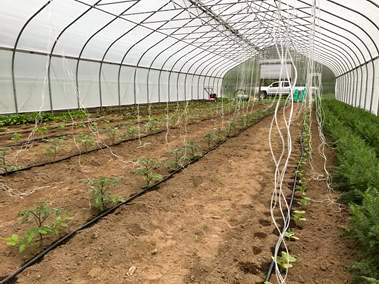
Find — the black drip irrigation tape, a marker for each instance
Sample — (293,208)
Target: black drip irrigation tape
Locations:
(295,183)
(79,153)
(62,240)
(104,146)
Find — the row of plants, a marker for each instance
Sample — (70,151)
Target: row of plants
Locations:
(44,222)
(175,117)
(286,261)
(40,117)
(110,135)
(70,115)
(357,176)
(359,120)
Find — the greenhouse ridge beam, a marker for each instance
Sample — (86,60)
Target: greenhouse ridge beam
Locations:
(217,18)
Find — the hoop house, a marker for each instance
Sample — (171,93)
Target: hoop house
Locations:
(67,54)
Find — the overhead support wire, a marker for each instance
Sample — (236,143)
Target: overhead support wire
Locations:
(223,23)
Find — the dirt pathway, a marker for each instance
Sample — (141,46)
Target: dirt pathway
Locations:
(209,224)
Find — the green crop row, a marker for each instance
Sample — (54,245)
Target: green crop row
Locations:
(29,118)
(357,175)
(360,121)
(68,116)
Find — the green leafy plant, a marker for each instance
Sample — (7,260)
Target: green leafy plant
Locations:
(87,140)
(177,159)
(304,200)
(364,227)
(214,137)
(301,186)
(290,235)
(285,261)
(147,169)
(151,125)
(181,156)
(45,222)
(132,131)
(370,280)
(41,131)
(231,127)
(210,138)
(192,150)
(16,137)
(100,197)
(299,217)
(54,147)
(112,133)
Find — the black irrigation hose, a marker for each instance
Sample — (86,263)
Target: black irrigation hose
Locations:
(104,146)
(38,257)
(295,182)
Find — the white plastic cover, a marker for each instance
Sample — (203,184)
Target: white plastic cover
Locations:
(62,54)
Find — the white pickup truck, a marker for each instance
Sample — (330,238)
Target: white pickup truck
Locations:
(278,88)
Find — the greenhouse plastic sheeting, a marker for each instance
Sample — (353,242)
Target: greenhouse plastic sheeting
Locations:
(66,54)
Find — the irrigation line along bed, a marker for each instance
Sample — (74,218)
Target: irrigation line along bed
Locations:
(101,147)
(38,257)
(295,183)
(87,122)
(53,127)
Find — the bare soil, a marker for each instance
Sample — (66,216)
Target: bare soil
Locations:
(209,224)
(323,254)
(61,183)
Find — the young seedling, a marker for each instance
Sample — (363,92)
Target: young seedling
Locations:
(299,217)
(210,139)
(290,235)
(192,150)
(146,168)
(285,261)
(301,187)
(100,198)
(45,222)
(112,134)
(132,131)
(151,125)
(54,147)
(16,137)
(231,127)
(305,200)
(41,131)
(86,140)
(177,159)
